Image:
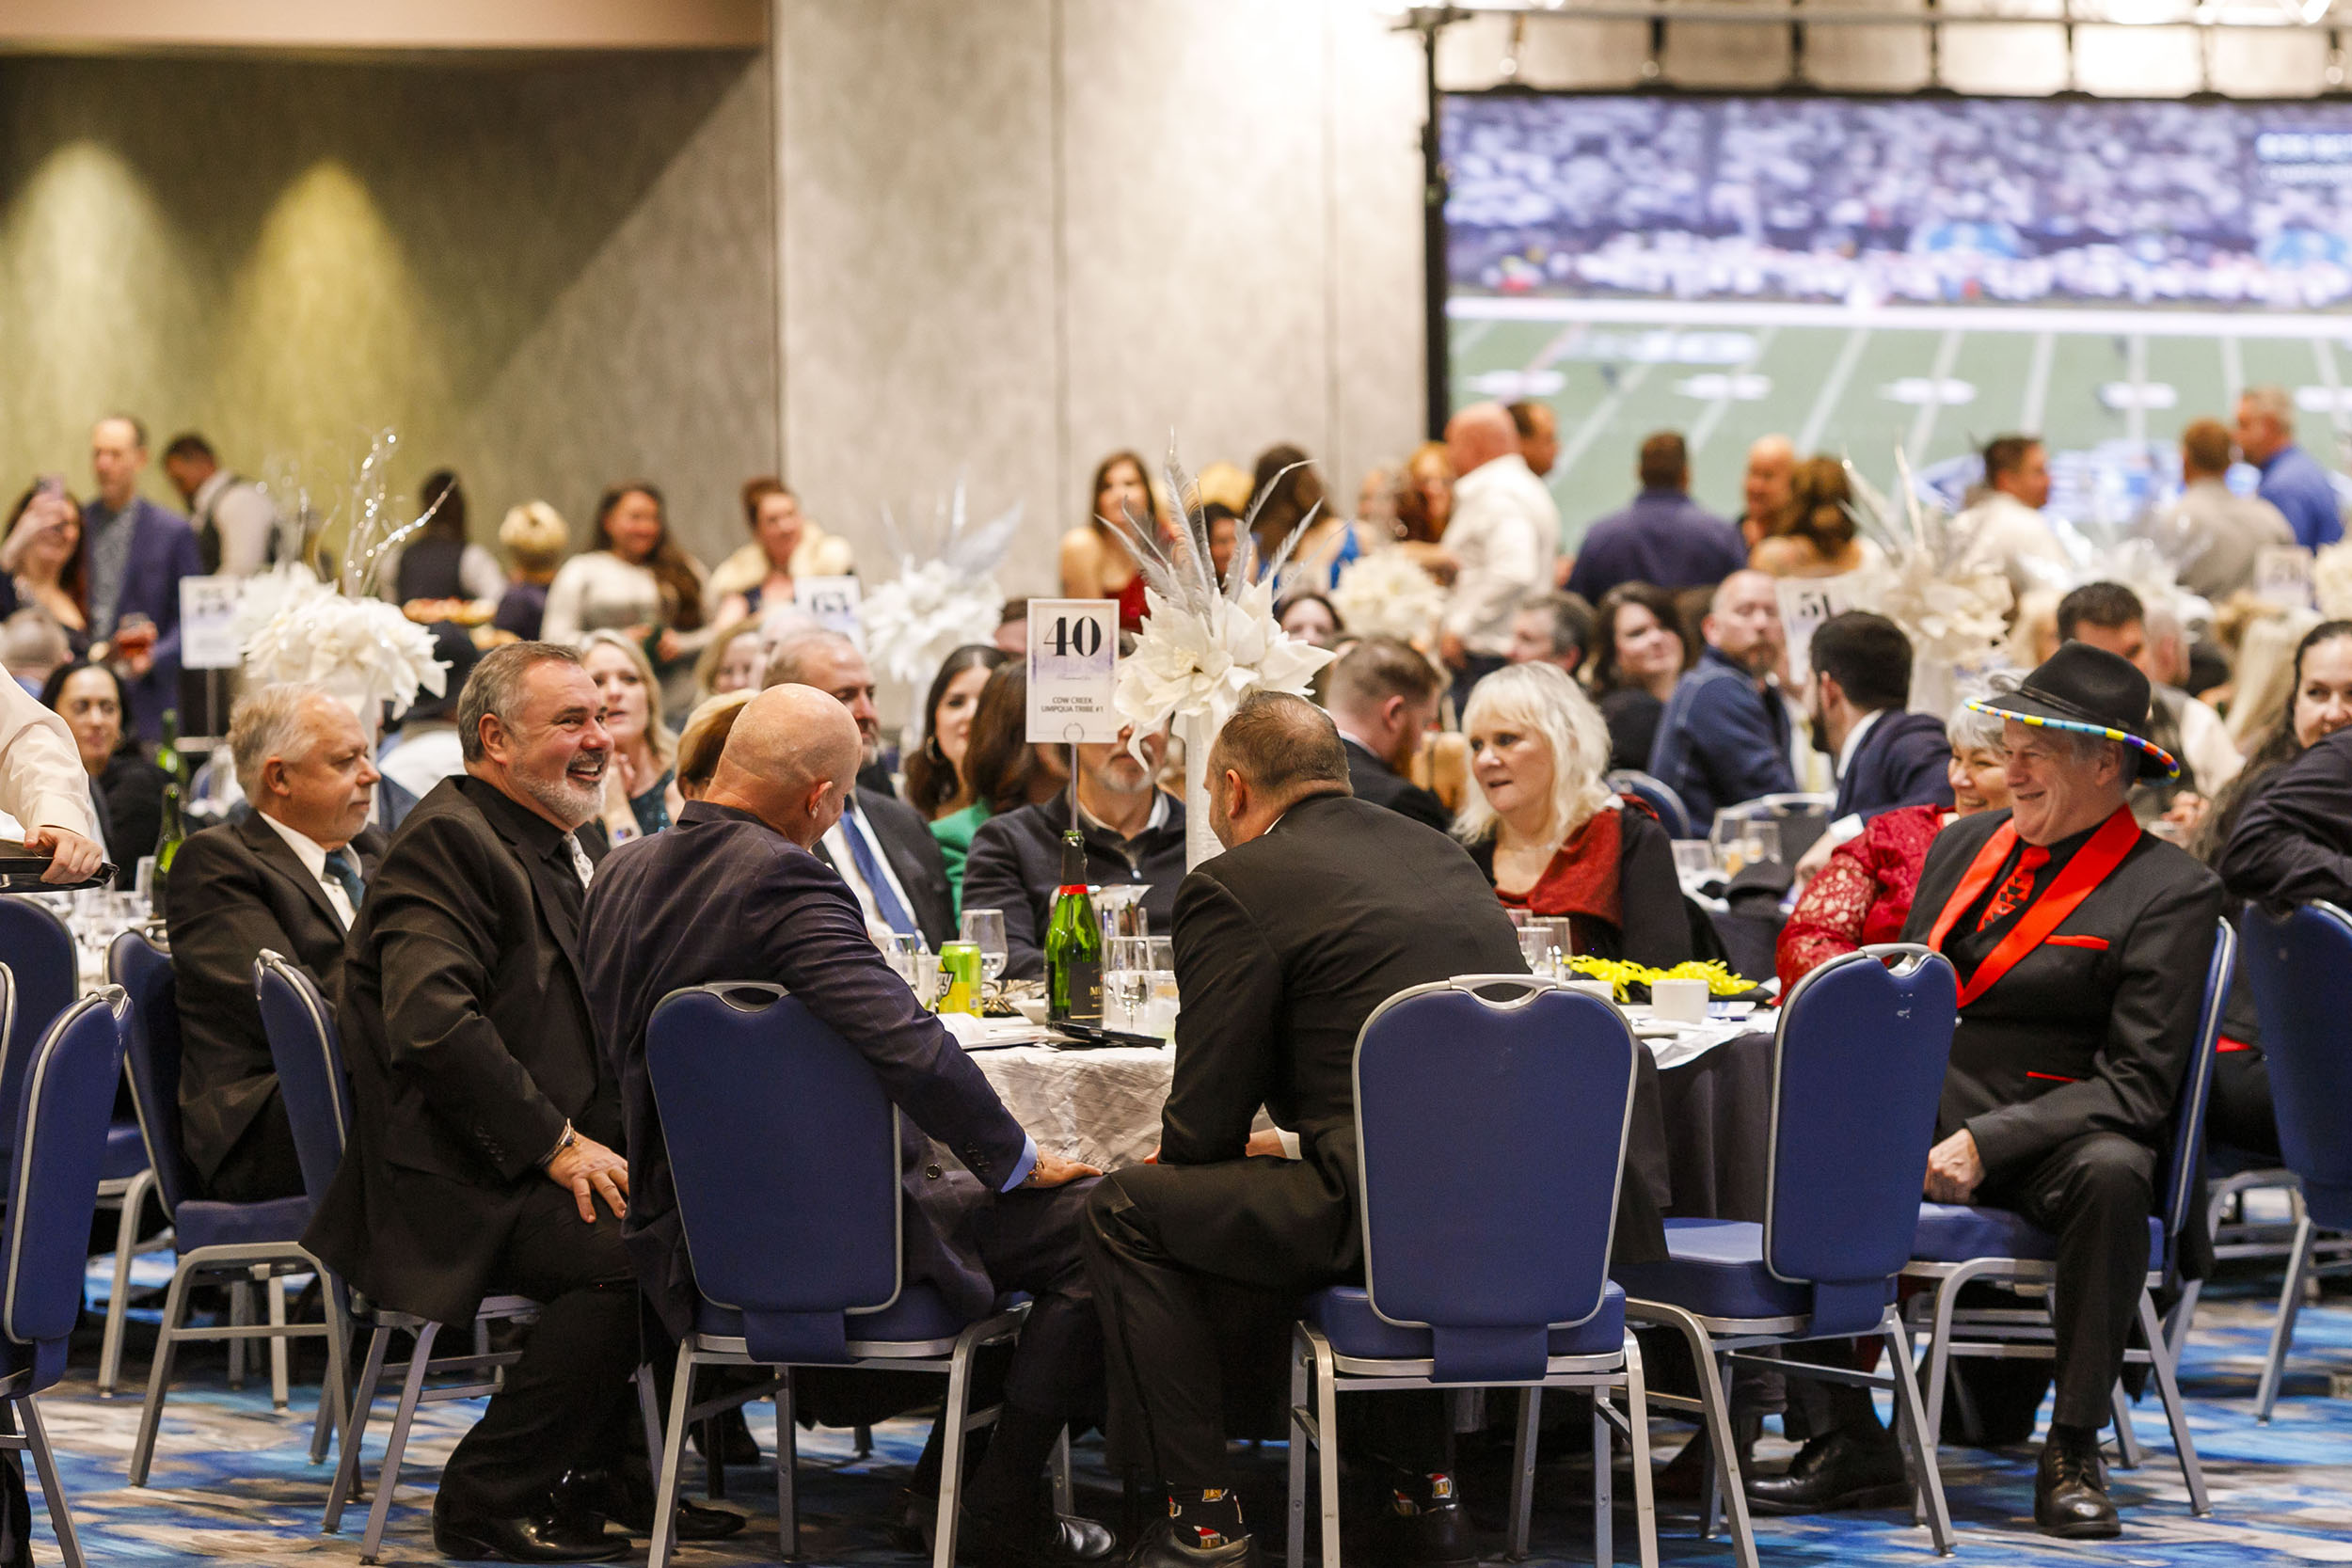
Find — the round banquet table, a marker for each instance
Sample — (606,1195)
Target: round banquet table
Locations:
(1100,1106)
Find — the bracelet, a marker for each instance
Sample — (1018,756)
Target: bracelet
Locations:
(563,1143)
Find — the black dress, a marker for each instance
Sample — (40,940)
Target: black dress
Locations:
(133,788)
(1631,715)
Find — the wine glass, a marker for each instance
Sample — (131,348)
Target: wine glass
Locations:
(985,930)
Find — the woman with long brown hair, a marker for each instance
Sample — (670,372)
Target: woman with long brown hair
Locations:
(1814,537)
(44,555)
(1096,563)
(637,581)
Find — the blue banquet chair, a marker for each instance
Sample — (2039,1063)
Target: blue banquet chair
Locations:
(2301,970)
(784,1153)
(1858,1062)
(56,1162)
(1960,1243)
(1490,1139)
(309,1057)
(1657,795)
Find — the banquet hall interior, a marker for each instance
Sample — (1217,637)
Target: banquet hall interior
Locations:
(754,676)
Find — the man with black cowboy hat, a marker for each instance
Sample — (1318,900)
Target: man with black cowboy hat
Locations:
(2080,942)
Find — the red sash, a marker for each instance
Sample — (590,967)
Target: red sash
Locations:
(2090,866)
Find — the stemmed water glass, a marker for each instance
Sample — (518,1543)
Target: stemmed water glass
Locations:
(985,930)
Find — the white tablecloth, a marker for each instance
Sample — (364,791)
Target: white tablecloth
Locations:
(1100,1106)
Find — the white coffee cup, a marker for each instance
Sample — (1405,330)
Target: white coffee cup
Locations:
(1602,989)
(1679,1001)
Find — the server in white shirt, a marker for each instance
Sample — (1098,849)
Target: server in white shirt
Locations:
(42,785)
(1504,532)
(289,878)
(882,846)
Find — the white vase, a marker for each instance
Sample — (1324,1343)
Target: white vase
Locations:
(1200,838)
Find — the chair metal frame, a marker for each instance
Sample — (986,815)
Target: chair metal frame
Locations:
(477,1372)
(1316,1368)
(239,1265)
(25,1406)
(1717,1344)
(2028,1334)
(951,1356)
(1655,792)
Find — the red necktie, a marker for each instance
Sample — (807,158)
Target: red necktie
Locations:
(2015,890)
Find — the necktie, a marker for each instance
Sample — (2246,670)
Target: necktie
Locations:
(893,914)
(581,863)
(344,868)
(2016,890)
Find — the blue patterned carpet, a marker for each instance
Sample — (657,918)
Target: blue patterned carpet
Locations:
(231,1480)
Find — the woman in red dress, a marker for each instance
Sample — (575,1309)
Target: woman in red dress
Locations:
(1862,896)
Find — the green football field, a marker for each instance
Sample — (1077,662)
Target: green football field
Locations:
(1934,382)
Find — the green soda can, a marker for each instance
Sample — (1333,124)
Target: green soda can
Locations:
(959,974)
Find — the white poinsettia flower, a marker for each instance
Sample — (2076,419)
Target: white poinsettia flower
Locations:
(1385,592)
(296,628)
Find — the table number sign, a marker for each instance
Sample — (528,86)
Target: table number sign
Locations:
(1804,604)
(1073,660)
(208,623)
(831,602)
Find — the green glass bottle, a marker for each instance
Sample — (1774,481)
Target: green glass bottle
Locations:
(168,749)
(1074,944)
(167,839)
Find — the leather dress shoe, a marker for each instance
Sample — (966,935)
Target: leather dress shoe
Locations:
(2070,1492)
(737,1446)
(589,1497)
(1434,1535)
(913,1524)
(1160,1548)
(1837,1469)
(1066,1543)
(546,1536)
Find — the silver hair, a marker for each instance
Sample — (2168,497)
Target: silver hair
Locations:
(1970,730)
(265,723)
(788,663)
(2275,403)
(496,687)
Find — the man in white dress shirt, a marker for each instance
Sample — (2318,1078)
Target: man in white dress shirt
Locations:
(1504,532)
(289,878)
(882,846)
(2005,530)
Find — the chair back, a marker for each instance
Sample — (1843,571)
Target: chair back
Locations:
(152,1052)
(784,1153)
(2301,970)
(2183,1189)
(38,950)
(1657,795)
(60,1155)
(309,1057)
(1490,1139)
(1858,1067)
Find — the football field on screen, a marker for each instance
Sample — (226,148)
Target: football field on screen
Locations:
(1935,382)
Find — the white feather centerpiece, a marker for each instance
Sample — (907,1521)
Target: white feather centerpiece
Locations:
(1205,644)
(294,627)
(946,594)
(1956,618)
(1385,592)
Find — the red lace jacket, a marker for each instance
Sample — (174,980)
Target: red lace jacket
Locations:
(1862,896)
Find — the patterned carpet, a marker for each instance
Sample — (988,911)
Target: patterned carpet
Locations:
(231,1480)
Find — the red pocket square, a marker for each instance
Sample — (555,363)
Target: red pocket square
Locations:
(2098,944)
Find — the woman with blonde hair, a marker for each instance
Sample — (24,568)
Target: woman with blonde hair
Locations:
(1551,836)
(705,737)
(641,793)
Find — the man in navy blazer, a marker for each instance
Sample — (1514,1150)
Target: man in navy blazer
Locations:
(734,892)
(1885,756)
(133,554)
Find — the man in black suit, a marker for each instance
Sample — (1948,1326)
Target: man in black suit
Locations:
(1885,757)
(287,877)
(1383,696)
(1278,982)
(882,846)
(2081,945)
(486,1129)
(1002,1217)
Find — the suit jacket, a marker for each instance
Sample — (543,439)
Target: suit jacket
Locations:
(906,840)
(1902,761)
(790,921)
(2293,840)
(2091,1029)
(1015,864)
(469,1045)
(1278,986)
(163,550)
(237,889)
(1376,781)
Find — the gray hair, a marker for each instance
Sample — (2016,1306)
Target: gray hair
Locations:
(1971,730)
(2273,403)
(788,662)
(496,687)
(267,722)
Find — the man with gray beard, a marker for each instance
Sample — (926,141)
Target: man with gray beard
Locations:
(484,1155)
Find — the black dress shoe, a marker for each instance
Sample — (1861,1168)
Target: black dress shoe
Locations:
(1161,1549)
(460,1533)
(1837,1469)
(914,1522)
(1433,1536)
(587,1498)
(737,1446)
(2070,1492)
(1069,1542)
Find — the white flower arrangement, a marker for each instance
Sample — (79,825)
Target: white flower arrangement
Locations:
(1956,618)
(294,627)
(946,594)
(2331,580)
(1385,592)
